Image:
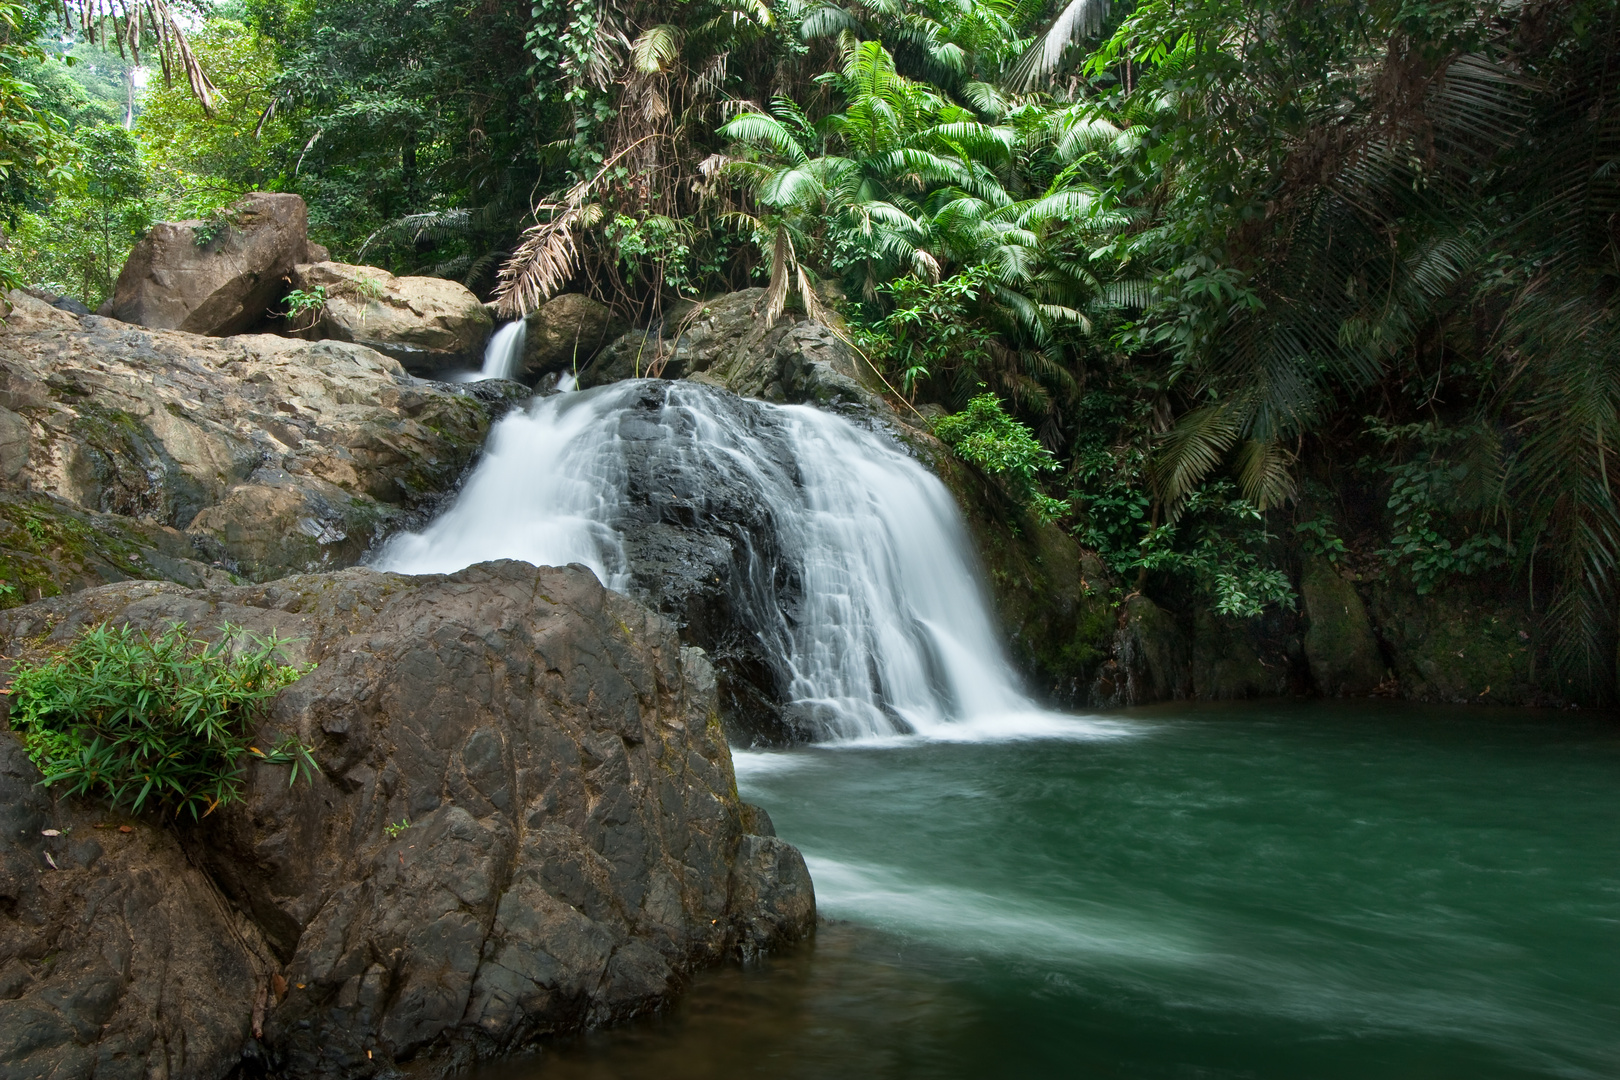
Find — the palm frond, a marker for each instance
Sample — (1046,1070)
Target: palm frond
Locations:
(656,48)
(1265,473)
(1193,449)
(1080,19)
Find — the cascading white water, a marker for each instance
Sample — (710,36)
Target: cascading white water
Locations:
(503,356)
(885,628)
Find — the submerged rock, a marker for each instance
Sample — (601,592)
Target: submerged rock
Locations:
(218,277)
(425,323)
(273,455)
(526,822)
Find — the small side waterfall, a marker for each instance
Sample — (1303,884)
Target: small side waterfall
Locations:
(503,356)
(852,566)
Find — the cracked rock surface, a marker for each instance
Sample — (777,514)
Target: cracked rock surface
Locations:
(526,822)
(257,455)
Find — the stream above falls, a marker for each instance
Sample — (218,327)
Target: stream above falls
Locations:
(1263,890)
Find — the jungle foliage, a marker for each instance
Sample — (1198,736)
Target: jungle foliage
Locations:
(148,720)
(1342,272)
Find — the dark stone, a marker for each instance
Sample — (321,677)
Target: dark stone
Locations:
(526,822)
(1151,661)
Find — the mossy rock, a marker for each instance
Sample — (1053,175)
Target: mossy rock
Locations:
(1228,663)
(49,547)
(1339,643)
(1461,644)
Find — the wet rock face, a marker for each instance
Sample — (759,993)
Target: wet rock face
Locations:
(526,822)
(425,323)
(272,455)
(214,278)
(702,549)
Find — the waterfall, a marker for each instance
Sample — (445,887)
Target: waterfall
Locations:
(851,567)
(503,356)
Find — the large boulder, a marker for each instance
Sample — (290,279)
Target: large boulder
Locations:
(1234,659)
(273,455)
(566,332)
(1339,643)
(117,957)
(426,323)
(526,822)
(1465,642)
(728,343)
(1152,659)
(219,277)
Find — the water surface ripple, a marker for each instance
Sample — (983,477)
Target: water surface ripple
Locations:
(1284,891)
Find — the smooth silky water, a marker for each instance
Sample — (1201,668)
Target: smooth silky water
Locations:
(1288,891)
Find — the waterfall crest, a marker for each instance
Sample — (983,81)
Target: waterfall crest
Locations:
(851,566)
(503,356)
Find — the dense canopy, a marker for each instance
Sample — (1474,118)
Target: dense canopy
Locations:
(1233,282)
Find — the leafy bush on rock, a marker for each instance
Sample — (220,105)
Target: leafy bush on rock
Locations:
(153,719)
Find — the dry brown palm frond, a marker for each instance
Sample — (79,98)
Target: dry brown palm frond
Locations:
(123,23)
(547,255)
(712,78)
(542,264)
(781,258)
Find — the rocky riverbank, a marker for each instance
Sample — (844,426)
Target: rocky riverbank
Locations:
(526,822)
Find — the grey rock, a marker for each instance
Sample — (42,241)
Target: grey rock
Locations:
(1229,663)
(567,840)
(61,303)
(125,964)
(192,276)
(701,548)
(771,880)
(50,546)
(15,435)
(275,455)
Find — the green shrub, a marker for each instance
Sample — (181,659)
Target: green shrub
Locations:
(984,434)
(301,303)
(160,719)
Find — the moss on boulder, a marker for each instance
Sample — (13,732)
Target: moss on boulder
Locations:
(49,547)
(1339,643)
(1458,644)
